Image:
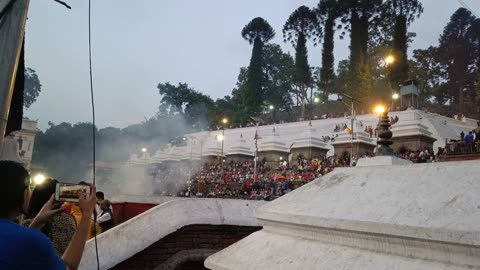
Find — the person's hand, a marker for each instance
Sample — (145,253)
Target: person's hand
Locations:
(87,205)
(49,209)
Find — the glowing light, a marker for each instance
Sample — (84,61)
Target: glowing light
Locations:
(271,107)
(395,96)
(389,59)
(144,150)
(224,120)
(220,137)
(281,158)
(316,100)
(379,109)
(39,179)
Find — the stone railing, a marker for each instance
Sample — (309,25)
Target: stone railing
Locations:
(138,233)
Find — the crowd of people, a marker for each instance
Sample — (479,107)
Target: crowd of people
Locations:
(238,179)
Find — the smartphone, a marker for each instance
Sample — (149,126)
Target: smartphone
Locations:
(70,192)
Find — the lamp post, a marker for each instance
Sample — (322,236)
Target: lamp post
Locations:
(395,96)
(352,124)
(271,108)
(221,138)
(144,151)
(388,61)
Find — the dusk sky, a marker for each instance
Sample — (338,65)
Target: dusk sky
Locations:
(138,44)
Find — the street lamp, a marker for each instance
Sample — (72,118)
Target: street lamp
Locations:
(388,61)
(395,96)
(316,100)
(221,137)
(271,107)
(144,151)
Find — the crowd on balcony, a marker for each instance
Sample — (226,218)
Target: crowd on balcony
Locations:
(238,179)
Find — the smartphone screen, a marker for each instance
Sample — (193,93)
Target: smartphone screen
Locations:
(70,192)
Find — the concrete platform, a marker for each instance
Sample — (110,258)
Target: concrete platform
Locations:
(418,216)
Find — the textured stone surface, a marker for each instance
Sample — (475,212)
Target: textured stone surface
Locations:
(382,161)
(418,216)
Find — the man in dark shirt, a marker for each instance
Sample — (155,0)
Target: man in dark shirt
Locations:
(29,248)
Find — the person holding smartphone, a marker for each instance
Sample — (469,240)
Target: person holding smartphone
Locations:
(29,248)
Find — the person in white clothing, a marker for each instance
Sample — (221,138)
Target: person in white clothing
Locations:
(105,218)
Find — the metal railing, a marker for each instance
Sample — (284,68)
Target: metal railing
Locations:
(462,148)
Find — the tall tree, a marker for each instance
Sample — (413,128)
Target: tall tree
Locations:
(302,24)
(33,87)
(400,14)
(258,31)
(457,54)
(359,16)
(328,11)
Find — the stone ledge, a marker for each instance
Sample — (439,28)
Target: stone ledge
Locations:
(284,252)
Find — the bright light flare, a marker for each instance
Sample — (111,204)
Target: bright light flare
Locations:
(224,120)
(389,59)
(395,96)
(39,179)
(144,150)
(316,100)
(220,137)
(271,107)
(379,109)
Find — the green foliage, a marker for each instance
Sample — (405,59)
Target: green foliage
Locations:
(303,76)
(278,83)
(303,21)
(300,26)
(182,99)
(427,71)
(400,14)
(258,28)
(62,150)
(32,87)
(258,31)
(456,53)
(279,70)
(328,11)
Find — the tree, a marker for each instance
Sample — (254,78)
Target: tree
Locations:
(182,99)
(33,87)
(258,31)
(457,54)
(328,11)
(428,73)
(359,17)
(279,70)
(302,24)
(278,83)
(400,14)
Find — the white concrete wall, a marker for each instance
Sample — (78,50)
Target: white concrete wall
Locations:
(288,133)
(134,235)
